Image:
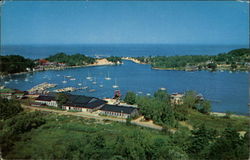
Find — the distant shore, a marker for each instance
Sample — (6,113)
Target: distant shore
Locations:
(99,62)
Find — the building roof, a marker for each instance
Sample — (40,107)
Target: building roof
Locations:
(78,99)
(6,90)
(95,103)
(119,109)
(45,98)
(84,101)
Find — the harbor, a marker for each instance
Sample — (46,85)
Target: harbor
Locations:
(219,87)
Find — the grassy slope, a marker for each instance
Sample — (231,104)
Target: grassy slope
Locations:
(50,140)
(219,123)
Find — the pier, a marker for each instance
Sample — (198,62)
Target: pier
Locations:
(41,87)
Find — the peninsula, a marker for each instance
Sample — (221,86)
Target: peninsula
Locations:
(235,60)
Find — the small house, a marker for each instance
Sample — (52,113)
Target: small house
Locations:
(177,98)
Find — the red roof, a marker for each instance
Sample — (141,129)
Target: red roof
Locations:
(43,61)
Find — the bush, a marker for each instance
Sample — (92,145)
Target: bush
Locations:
(9,108)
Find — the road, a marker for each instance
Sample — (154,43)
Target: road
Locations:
(96,116)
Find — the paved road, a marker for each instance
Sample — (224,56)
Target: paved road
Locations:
(95,116)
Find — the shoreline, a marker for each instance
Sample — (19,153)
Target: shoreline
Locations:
(183,69)
(221,114)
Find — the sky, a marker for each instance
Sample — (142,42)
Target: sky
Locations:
(117,22)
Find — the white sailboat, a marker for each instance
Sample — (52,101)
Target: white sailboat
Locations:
(64,81)
(107,78)
(115,85)
(101,85)
(163,89)
(89,77)
(94,82)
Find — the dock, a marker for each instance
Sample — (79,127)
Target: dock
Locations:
(42,87)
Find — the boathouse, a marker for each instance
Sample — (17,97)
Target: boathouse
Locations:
(118,111)
(48,100)
(83,103)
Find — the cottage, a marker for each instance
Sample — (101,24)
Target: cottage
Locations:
(118,111)
(177,98)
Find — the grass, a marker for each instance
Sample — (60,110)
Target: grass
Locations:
(219,123)
(61,130)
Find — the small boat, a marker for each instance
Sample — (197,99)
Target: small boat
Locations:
(101,85)
(79,84)
(72,79)
(6,82)
(115,85)
(107,78)
(16,80)
(139,92)
(89,77)
(230,72)
(58,75)
(26,80)
(163,89)
(85,87)
(92,90)
(68,76)
(94,81)
(64,81)
(148,94)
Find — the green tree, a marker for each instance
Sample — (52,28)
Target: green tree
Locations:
(190,99)
(204,106)
(228,146)
(9,108)
(130,98)
(212,66)
(200,141)
(61,99)
(162,95)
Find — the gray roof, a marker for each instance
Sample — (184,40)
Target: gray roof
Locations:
(119,109)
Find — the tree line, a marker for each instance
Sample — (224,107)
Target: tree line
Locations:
(235,58)
(71,60)
(15,64)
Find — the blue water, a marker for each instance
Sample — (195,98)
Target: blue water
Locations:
(43,51)
(227,91)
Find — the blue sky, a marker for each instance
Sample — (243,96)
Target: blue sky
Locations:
(111,22)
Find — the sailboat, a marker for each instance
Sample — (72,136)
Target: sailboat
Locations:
(115,85)
(108,78)
(94,81)
(64,81)
(26,80)
(101,85)
(89,77)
